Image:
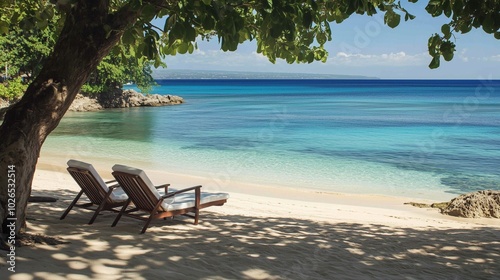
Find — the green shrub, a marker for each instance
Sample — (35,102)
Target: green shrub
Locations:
(12,89)
(93,90)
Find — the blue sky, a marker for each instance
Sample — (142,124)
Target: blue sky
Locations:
(363,45)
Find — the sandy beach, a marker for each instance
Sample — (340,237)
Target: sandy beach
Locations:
(261,233)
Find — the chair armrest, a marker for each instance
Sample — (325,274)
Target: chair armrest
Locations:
(163,186)
(181,191)
(110,181)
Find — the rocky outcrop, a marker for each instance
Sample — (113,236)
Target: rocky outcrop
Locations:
(4,105)
(131,98)
(115,99)
(475,205)
(85,104)
(122,99)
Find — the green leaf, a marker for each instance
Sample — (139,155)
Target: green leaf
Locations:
(183,48)
(458,7)
(446,31)
(157,62)
(434,8)
(433,44)
(307,19)
(497,35)
(171,20)
(465,28)
(276,31)
(446,8)
(228,44)
(208,23)
(488,23)
(434,63)
(148,12)
(447,49)
(310,57)
(207,2)
(392,19)
(448,56)
(189,32)
(4,28)
(108,30)
(128,37)
(321,38)
(270,3)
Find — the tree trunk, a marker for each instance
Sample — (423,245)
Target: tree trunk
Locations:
(82,44)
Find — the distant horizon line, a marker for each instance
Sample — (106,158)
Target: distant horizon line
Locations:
(242,74)
(191,74)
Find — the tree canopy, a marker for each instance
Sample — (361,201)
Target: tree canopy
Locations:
(27,46)
(294,30)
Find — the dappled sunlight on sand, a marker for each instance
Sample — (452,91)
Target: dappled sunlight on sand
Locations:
(246,247)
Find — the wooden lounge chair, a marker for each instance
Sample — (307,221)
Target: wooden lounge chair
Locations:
(146,198)
(99,193)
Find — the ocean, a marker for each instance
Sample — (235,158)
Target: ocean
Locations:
(429,139)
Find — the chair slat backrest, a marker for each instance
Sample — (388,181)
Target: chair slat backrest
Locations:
(89,184)
(137,190)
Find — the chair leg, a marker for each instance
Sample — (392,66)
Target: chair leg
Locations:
(197,205)
(97,212)
(101,206)
(121,213)
(147,223)
(152,214)
(71,205)
(196,215)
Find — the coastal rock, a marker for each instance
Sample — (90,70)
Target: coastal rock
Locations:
(4,105)
(85,104)
(122,99)
(475,205)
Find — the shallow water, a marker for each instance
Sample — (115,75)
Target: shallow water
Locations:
(428,139)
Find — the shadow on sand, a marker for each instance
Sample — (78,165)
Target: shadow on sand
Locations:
(246,247)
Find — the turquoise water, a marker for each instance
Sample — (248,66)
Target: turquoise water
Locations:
(429,139)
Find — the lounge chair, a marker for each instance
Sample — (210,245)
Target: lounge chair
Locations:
(100,193)
(146,198)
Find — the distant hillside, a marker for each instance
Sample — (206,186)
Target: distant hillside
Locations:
(199,74)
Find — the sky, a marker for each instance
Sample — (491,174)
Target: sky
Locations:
(363,45)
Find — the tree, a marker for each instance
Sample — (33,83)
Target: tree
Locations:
(24,49)
(293,30)
(114,71)
(464,14)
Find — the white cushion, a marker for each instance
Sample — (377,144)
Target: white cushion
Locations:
(186,200)
(140,173)
(179,201)
(117,195)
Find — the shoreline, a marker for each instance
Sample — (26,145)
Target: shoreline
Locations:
(225,176)
(278,194)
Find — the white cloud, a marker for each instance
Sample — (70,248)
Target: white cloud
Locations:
(385,59)
(217,59)
(495,57)
(463,56)
(199,52)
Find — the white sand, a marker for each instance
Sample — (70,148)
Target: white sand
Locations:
(261,233)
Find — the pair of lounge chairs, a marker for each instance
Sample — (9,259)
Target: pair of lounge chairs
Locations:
(137,196)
